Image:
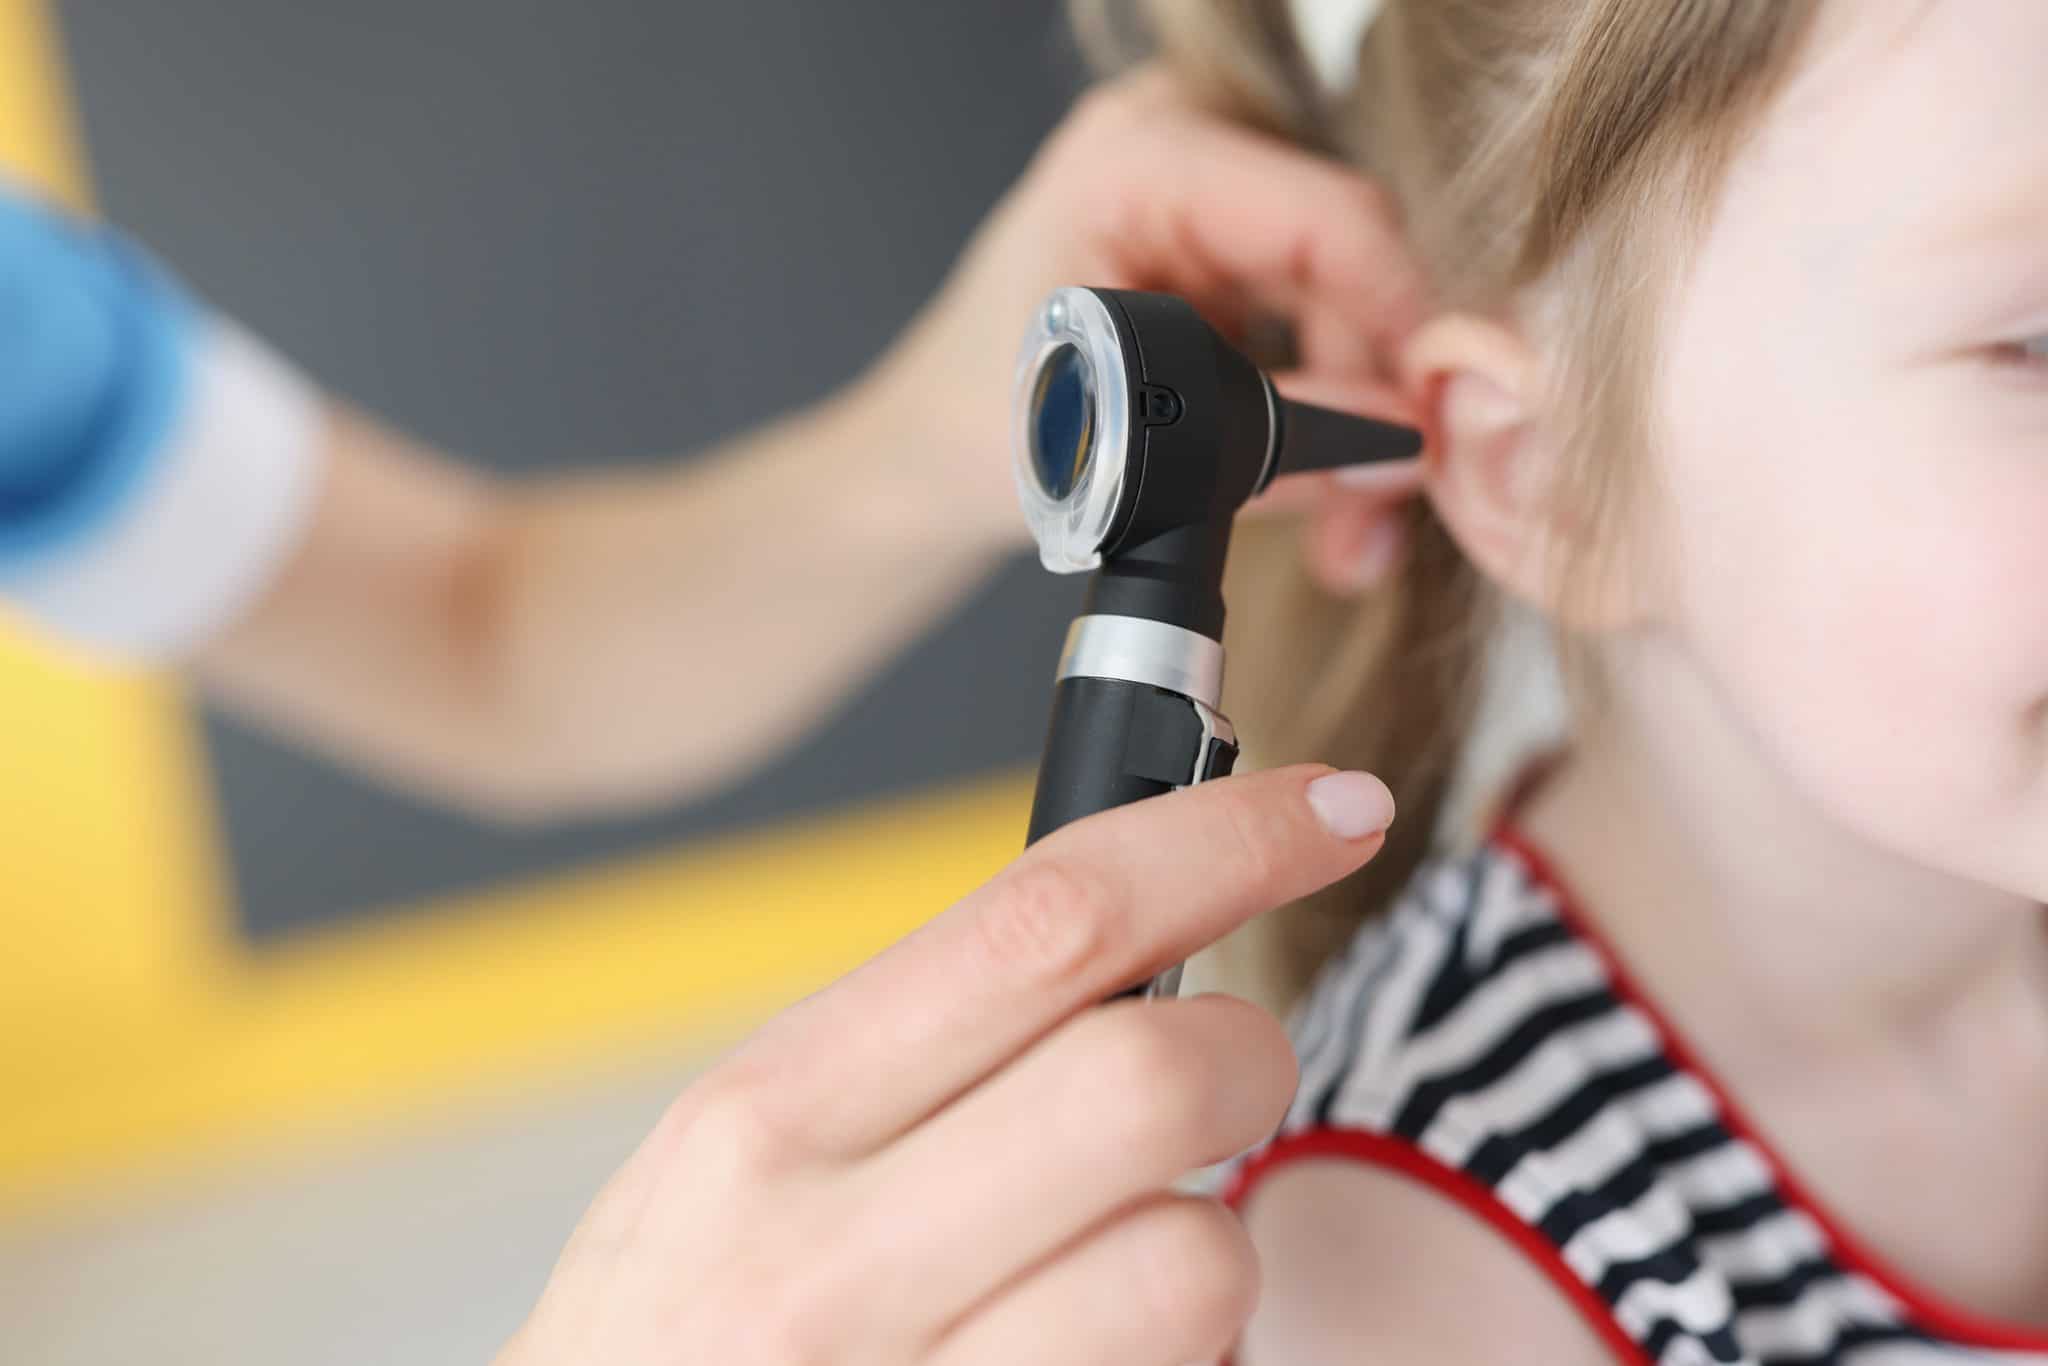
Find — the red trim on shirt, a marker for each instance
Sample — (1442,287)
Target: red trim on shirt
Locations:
(1399,1155)
(1936,1315)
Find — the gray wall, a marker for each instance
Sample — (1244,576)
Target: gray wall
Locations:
(557,233)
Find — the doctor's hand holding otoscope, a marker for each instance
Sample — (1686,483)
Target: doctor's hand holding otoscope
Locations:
(959,1155)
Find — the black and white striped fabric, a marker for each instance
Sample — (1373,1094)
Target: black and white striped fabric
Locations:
(1482,1039)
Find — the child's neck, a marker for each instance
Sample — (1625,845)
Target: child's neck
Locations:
(1759,920)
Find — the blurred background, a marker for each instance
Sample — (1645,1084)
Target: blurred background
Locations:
(299,1069)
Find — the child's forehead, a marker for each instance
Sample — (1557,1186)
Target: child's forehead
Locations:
(1914,127)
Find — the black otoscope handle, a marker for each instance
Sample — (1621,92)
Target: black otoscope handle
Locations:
(1112,742)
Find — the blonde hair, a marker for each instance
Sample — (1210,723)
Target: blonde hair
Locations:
(1574,144)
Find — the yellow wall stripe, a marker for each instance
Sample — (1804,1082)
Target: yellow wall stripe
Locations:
(109,876)
(37,141)
(507,992)
(146,1038)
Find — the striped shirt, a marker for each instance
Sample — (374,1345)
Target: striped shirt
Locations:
(1482,1039)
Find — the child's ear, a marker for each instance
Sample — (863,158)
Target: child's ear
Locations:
(1492,459)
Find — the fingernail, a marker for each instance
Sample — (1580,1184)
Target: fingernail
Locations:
(1377,557)
(1351,805)
(1378,475)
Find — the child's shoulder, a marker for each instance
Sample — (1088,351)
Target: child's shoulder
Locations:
(1474,1042)
(1482,1044)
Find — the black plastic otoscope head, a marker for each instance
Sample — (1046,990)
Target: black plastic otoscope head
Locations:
(1139,433)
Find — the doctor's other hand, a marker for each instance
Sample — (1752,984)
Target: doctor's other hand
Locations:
(1140,188)
(956,1154)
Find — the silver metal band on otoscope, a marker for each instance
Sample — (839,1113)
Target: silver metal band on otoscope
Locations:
(1139,650)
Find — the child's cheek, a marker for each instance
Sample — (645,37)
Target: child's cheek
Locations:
(1973,571)
(1868,607)
(1858,551)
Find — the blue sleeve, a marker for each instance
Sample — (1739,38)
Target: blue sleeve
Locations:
(94,343)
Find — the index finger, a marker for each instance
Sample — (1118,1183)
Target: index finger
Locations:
(1216,210)
(1094,907)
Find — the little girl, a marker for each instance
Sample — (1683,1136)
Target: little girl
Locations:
(1729,1040)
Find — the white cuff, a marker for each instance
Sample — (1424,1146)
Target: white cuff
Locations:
(214,519)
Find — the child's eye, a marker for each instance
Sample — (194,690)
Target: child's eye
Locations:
(2030,351)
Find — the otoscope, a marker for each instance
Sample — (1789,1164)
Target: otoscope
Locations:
(1138,434)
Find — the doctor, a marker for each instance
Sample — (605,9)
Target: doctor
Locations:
(954,1155)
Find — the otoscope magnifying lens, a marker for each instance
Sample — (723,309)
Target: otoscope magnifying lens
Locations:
(1071,420)
(1062,420)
